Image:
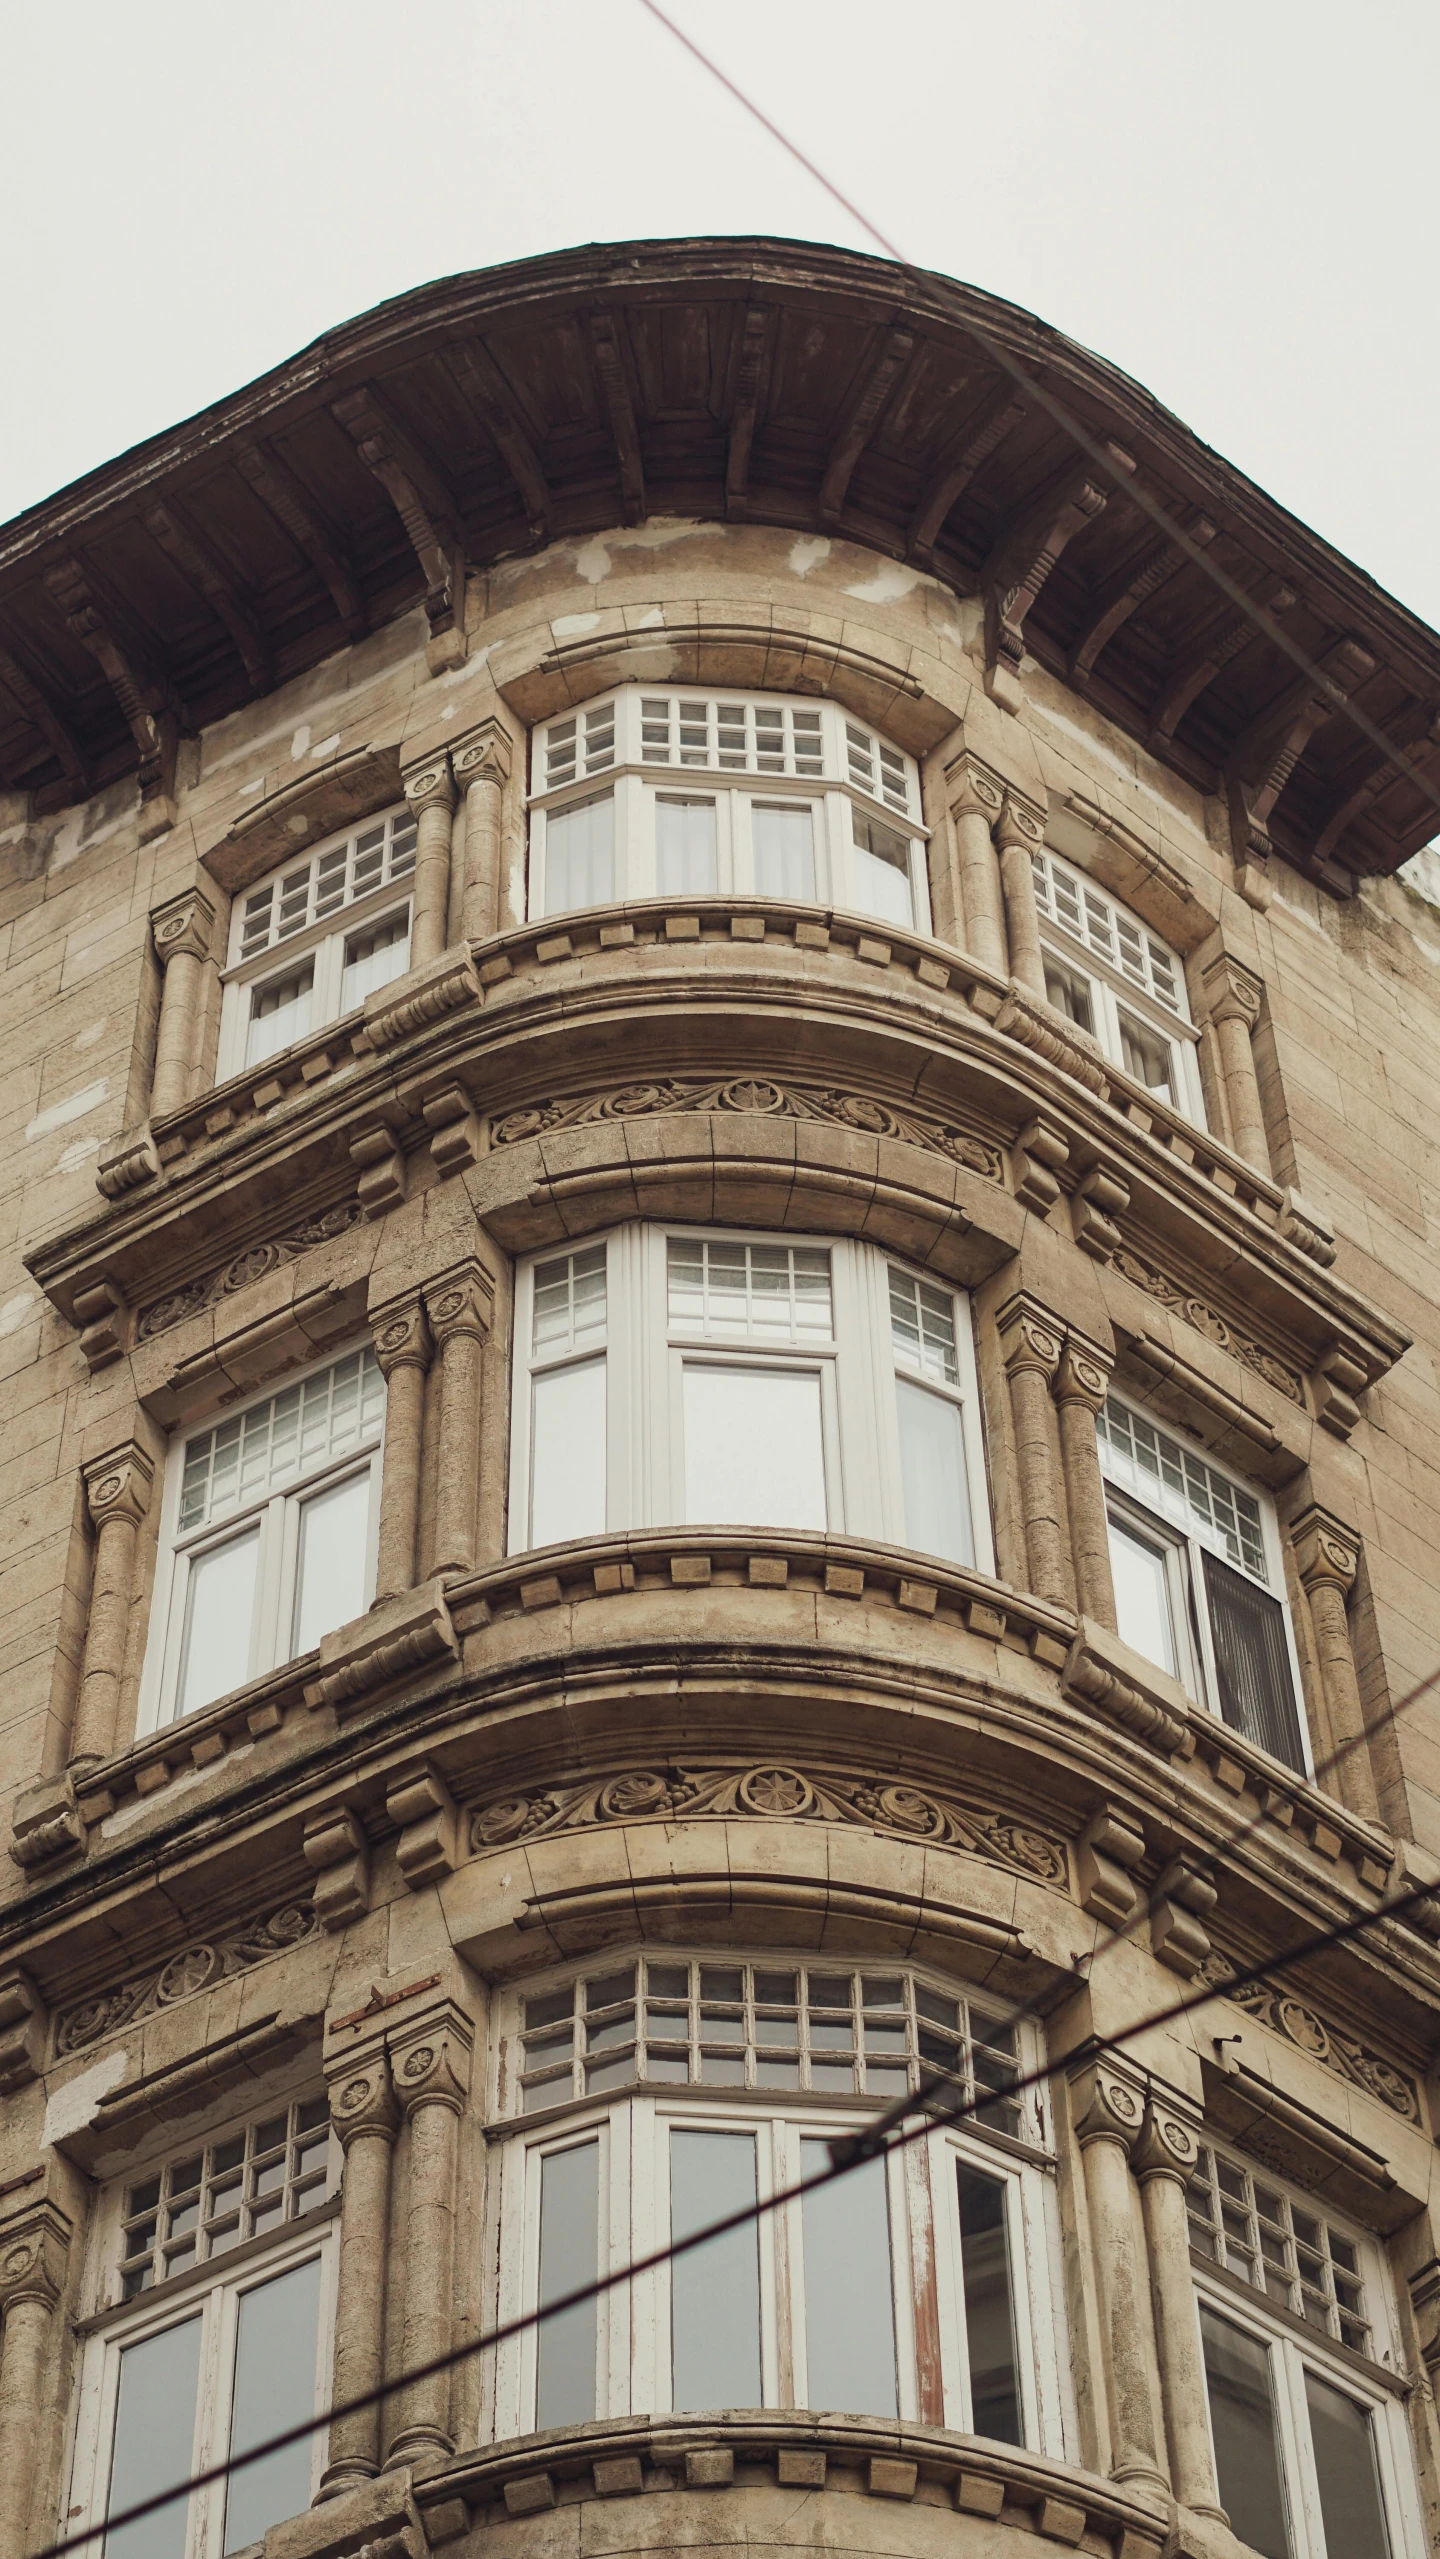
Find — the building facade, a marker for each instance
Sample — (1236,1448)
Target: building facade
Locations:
(717,1361)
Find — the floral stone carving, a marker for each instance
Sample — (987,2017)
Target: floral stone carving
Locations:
(756,1094)
(773,1794)
(1342,2053)
(255,1263)
(1207,1319)
(194,1968)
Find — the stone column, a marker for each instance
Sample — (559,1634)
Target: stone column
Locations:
(1327,1558)
(1107,2114)
(117,1494)
(32,2274)
(181,931)
(432,2078)
(1019,833)
(1081,1382)
(975,800)
(482,769)
(366,2120)
(402,1347)
(459,1306)
(430,796)
(1031,1351)
(1163,2161)
(1234,1000)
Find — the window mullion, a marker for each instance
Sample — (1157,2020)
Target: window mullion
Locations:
(917,2303)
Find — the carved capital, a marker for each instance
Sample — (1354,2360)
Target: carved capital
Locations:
(461,1300)
(117,1485)
(34,2248)
(1083,1376)
(1020,822)
(1105,2105)
(401,1335)
(483,755)
(362,2100)
(430,785)
(1030,1337)
(1167,2146)
(183,925)
(433,2070)
(1326,1552)
(972,790)
(1232,991)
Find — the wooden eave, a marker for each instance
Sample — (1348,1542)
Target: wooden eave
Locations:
(557,397)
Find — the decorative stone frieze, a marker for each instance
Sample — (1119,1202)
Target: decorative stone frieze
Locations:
(759,1094)
(1278,2008)
(197,1967)
(255,1263)
(1207,1319)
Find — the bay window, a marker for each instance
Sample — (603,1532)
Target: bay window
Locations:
(211,2335)
(311,942)
(688,795)
(267,1538)
(724,2082)
(1110,976)
(669,1376)
(1310,2444)
(1195,1556)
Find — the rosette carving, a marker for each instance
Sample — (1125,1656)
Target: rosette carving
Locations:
(1308,2032)
(195,1968)
(760,1094)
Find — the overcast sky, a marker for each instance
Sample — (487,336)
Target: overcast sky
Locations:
(1232,199)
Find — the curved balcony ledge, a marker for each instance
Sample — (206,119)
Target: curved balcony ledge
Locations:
(893,1039)
(770,2460)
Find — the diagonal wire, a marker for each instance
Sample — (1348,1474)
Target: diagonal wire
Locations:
(884,2135)
(1094,450)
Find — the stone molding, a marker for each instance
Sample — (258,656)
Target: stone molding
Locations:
(1104,1678)
(398,1635)
(424,995)
(579,1917)
(1301,2026)
(1037,1026)
(1205,1318)
(255,1263)
(768,1099)
(772,1793)
(195,1968)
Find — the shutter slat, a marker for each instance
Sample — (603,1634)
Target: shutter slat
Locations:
(1252,1662)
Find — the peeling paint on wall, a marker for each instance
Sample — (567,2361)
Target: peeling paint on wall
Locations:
(886,586)
(78,2102)
(808,552)
(572,626)
(74,1107)
(18,1310)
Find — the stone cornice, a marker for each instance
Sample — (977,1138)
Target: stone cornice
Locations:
(928,1013)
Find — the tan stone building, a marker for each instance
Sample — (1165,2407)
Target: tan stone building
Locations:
(717,1357)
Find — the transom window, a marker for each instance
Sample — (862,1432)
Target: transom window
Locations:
(818,2304)
(1282,2247)
(1195,1558)
(212,2199)
(267,1535)
(835,819)
(729,2025)
(1110,977)
(341,916)
(671,1376)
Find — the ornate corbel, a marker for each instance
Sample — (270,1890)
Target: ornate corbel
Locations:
(1266,754)
(1107,1854)
(338,1853)
(1183,1899)
(1101,1195)
(427,513)
(1132,585)
(1023,558)
(620,411)
(1036,1159)
(24,2025)
(140,691)
(126,1161)
(749,374)
(380,1159)
(939,499)
(1337,1378)
(887,362)
(104,1320)
(420,1804)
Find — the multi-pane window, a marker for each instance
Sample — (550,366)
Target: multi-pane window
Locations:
(698,795)
(210,2336)
(1310,2448)
(666,1377)
(732,2025)
(267,1535)
(819,2302)
(311,942)
(1195,1558)
(1112,978)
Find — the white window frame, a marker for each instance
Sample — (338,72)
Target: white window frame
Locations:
(860,776)
(214,2290)
(1292,2347)
(645,1358)
(322,942)
(633,2324)
(1113,991)
(1183,1544)
(276,1511)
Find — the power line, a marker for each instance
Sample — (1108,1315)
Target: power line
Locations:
(881,2137)
(1094,451)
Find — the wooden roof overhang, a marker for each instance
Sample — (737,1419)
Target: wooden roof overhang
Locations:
(769,381)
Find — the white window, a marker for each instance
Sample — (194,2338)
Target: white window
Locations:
(311,942)
(1199,1580)
(667,1376)
(688,795)
(212,2334)
(1310,2443)
(1111,977)
(267,1536)
(735,2076)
